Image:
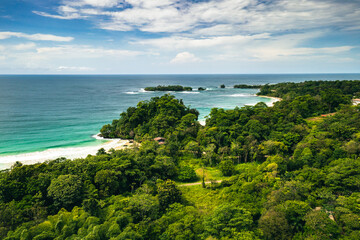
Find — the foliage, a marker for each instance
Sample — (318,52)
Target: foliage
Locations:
(66,191)
(158,117)
(187,174)
(228,220)
(245,86)
(168,88)
(227,167)
(168,193)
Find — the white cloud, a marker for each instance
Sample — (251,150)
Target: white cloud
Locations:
(353,28)
(217,30)
(81,69)
(79,9)
(94,3)
(84,51)
(176,42)
(223,17)
(35,37)
(271,53)
(65,16)
(185,57)
(227,31)
(24,46)
(66,58)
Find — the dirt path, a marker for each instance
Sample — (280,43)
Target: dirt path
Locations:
(197,183)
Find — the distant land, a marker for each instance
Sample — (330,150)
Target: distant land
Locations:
(168,88)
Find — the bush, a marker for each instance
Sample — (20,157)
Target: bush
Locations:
(227,167)
(66,191)
(187,174)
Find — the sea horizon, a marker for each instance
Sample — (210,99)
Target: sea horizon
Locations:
(162,74)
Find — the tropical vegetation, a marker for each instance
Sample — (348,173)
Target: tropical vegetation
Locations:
(168,88)
(291,171)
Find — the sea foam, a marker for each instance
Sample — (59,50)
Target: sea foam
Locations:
(189,92)
(238,95)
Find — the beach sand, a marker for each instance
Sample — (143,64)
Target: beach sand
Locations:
(68,152)
(273,100)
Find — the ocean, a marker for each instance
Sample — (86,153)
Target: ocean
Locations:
(56,112)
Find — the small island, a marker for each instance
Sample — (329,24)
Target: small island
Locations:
(177,88)
(245,86)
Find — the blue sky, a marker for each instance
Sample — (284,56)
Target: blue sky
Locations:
(172,36)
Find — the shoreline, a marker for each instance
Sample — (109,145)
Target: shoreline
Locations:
(67,152)
(80,152)
(273,99)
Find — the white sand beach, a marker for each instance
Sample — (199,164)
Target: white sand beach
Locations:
(273,100)
(67,152)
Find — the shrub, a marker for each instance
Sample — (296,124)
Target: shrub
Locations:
(187,174)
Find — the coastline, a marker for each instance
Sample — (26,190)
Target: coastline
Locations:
(273,100)
(83,151)
(67,152)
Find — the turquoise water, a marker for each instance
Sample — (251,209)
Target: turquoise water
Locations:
(44,112)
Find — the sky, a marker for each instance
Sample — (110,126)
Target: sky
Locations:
(179,36)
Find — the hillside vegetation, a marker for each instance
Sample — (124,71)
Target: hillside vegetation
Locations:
(283,176)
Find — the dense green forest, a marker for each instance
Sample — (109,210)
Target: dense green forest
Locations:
(168,88)
(290,171)
(158,117)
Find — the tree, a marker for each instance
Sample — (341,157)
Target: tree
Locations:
(164,167)
(271,147)
(318,223)
(227,220)
(193,148)
(168,193)
(333,98)
(295,212)
(274,225)
(66,191)
(187,174)
(352,148)
(101,151)
(107,181)
(143,206)
(344,175)
(227,167)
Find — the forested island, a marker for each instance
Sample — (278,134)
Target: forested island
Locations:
(291,171)
(245,86)
(168,88)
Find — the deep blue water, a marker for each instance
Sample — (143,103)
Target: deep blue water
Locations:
(40,112)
